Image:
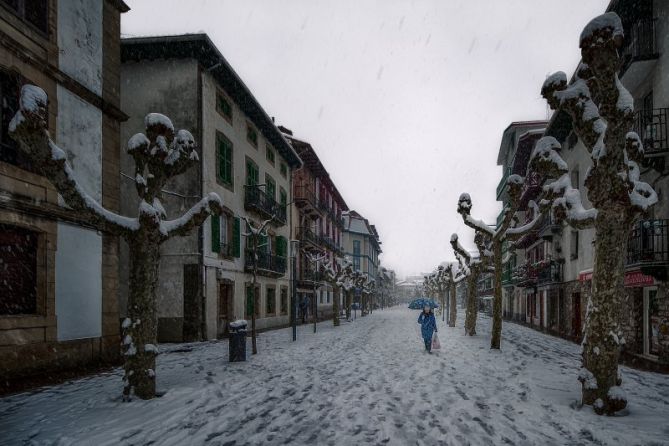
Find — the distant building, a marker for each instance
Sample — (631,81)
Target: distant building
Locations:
(205,277)
(58,274)
(318,226)
(362,245)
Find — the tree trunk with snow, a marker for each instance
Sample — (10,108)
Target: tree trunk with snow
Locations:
(614,188)
(496,336)
(140,328)
(159,155)
(453,313)
(471,310)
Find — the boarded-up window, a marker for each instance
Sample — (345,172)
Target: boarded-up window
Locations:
(18,270)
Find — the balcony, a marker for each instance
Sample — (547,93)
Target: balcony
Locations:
(310,278)
(256,200)
(327,243)
(548,228)
(268,264)
(308,239)
(540,273)
(648,247)
(639,52)
(548,271)
(305,200)
(651,126)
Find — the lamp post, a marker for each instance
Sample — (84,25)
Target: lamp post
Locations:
(294,246)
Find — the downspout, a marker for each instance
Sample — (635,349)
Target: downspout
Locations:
(200,230)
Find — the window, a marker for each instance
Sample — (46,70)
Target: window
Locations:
(224,106)
(252,135)
(284,300)
(35,12)
(270,154)
(270,302)
(284,170)
(224,173)
(574,245)
(575,178)
(18,274)
(225,235)
(270,187)
(252,173)
(225,299)
(320,297)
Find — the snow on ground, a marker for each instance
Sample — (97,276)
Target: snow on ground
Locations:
(364,382)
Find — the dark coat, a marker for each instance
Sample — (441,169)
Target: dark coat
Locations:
(428,325)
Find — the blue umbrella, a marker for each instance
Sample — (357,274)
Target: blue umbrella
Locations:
(420,303)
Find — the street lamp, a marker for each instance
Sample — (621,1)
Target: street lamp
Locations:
(294,246)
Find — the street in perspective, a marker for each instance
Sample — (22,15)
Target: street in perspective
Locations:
(304,222)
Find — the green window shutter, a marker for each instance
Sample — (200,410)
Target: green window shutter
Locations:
(215,233)
(227,162)
(236,239)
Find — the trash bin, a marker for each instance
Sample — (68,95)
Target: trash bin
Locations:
(237,343)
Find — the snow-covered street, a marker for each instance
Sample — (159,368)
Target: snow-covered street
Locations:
(365,382)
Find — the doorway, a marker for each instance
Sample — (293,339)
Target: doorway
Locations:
(576,315)
(225,311)
(651,322)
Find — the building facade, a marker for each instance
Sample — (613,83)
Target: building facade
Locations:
(206,277)
(318,226)
(59,304)
(552,282)
(362,245)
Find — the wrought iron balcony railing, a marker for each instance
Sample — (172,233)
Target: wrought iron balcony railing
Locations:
(648,244)
(640,43)
(651,126)
(305,234)
(255,199)
(267,263)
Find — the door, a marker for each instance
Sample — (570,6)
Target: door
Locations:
(576,315)
(193,308)
(651,321)
(225,310)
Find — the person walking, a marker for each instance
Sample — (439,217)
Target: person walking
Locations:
(428,326)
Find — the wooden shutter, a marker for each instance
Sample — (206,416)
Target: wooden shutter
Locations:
(236,238)
(215,233)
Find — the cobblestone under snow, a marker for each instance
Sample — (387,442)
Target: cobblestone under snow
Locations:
(365,382)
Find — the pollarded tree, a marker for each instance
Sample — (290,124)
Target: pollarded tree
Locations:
(497,237)
(315,260)
(347,283)
(450,279)
(334,277)
(159,154)
(472,269)
(602,113)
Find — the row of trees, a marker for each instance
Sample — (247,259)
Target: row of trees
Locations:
(159,153)
(602,113)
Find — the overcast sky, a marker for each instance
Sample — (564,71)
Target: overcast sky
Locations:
(404,101)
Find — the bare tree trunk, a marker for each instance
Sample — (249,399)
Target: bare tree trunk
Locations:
(442,302)
(348,305)
(363,305)
(140,328)
(471,312)
(254,345)
(335,306)
(601,348)
(452,317)
(496,337)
